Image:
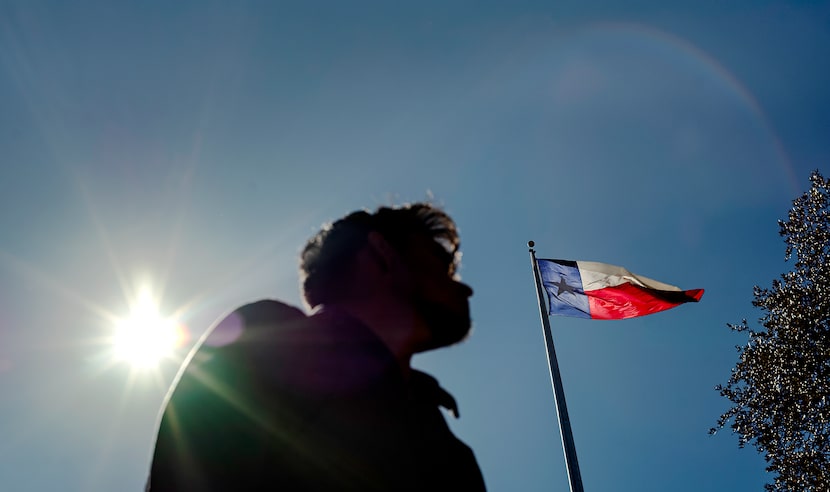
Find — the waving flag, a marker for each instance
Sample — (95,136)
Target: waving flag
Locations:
(587,289)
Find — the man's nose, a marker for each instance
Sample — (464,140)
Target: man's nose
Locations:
(466,289)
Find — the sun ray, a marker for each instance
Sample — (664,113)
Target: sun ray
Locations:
(28,271)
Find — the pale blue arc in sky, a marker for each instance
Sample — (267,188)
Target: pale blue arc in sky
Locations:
(706,63)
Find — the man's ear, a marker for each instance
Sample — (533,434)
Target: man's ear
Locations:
(387,257)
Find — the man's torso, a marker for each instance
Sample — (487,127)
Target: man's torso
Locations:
(302,403)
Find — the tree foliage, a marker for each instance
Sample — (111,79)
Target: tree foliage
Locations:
(780,386)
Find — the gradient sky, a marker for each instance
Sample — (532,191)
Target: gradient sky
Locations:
(193,146)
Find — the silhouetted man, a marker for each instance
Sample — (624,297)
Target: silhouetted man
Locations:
(277,400)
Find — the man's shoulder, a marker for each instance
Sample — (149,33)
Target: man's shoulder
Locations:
(234,356)
(269,311)
(252,322)
(240,342)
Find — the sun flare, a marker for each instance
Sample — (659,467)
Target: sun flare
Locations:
(145,336)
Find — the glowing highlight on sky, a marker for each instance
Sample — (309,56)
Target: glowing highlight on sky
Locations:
(145,336)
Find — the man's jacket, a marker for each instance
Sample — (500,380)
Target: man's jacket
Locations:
(275,400)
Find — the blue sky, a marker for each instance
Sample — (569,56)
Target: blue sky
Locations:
(194,146)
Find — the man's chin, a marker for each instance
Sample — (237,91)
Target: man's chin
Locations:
(446,329)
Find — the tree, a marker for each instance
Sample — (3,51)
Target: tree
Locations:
(780,386)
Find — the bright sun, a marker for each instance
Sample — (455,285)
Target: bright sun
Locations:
(145,337)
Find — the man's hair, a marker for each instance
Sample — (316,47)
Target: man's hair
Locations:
(327,258)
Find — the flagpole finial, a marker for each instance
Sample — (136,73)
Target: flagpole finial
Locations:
(530,244)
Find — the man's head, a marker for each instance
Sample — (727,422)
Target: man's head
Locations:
(416,245)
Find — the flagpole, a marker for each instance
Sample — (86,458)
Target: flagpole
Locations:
(574,477)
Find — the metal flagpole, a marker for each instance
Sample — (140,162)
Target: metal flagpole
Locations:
(574,477)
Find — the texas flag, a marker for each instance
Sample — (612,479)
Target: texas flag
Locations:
(587,289)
